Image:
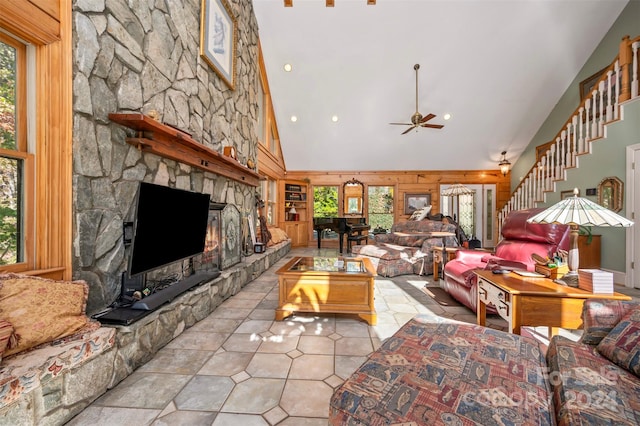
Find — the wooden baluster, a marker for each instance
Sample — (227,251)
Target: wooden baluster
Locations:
(564,152)
(609,104)
(616,100)
(601,119)
(634,77)
(587,127)
(624,56)
(594,119)
(581,130)
(540,179)
(547,172)
(574,141)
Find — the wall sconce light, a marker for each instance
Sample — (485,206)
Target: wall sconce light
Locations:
(504,164)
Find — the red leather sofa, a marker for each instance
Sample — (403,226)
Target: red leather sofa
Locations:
(519,240)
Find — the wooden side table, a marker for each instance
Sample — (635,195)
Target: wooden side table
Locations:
(523,301)
(437,257)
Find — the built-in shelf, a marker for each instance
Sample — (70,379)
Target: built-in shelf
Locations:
(169,142)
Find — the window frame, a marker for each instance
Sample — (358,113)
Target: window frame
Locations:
(20,153)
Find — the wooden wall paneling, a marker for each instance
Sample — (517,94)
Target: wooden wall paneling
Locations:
(37,21)
(410,181)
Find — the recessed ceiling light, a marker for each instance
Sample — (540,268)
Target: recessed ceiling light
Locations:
(294,118)
(447,116)
(288,67)
(334,118)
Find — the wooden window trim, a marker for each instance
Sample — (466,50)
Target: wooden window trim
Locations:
(50,166)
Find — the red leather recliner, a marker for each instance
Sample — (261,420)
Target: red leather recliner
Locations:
(519,240)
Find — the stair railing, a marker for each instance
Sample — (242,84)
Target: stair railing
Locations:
(618,84)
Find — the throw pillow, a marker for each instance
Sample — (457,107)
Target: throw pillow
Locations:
(277,236)
(622,345)
(6,330)
(420,213)
(41,310)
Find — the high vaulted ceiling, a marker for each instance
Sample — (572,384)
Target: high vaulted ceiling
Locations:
(498,67)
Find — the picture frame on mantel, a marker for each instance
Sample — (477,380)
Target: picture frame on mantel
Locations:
(218,39)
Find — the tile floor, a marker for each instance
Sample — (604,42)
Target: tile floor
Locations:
(240,367)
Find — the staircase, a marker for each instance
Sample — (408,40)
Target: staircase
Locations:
(618,84)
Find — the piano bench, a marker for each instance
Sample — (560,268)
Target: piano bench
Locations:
(357,239)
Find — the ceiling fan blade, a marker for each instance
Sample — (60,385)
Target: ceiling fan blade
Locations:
(403,124)
(433,126)
(409,129)
(427,118)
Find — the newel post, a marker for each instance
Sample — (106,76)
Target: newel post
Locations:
(625,61)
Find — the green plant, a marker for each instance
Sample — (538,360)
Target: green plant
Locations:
(585,230)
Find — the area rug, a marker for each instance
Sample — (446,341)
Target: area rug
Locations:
(441,296)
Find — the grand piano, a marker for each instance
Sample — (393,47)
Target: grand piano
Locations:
(352,227)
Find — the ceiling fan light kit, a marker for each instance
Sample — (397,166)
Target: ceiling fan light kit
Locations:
(417,119)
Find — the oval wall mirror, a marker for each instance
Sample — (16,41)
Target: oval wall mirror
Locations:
(353,197)
(610,193)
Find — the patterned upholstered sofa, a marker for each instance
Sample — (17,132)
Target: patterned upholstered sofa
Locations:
(444,372)
(407,249)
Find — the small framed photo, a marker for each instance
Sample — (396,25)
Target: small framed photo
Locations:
(566,194)
(218,34)
(413,202)
(353,266)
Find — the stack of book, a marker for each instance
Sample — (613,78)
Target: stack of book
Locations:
(595,280)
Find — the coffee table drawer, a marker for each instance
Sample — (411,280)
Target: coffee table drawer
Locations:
(491,294)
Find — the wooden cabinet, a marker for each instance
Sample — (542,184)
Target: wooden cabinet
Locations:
(293,211)
(589,254)
(297,231)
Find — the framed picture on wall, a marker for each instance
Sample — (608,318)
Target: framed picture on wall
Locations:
(413,202)
(218,34)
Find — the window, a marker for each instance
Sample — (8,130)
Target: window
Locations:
(380,207)
(325,204)
(269,192)
(14,158)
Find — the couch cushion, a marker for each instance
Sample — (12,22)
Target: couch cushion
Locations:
(446,373)
(41,310)
(622,344)
(588,389)
(599,316)
(385,251)
(516,227)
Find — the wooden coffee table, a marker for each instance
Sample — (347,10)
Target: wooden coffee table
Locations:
(327,285)
(533,301)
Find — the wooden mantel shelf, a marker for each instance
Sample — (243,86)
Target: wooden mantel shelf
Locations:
(169,142)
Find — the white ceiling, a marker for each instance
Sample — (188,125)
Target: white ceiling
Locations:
(498,67)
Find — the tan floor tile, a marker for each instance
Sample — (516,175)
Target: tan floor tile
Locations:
(312,367)
(334,381)
(226,363)
(296,406)
(351,328)
(230,313)
(204,393)
(316,345)
(198,340)
(262,314)
(176,361)
(242,343)
(274,366)
(255,396)
(254,326)
(191,418)
(106,416)
(230,419)
(300,421)
(346,365)
(279,344)
(354,346)
(275,415)
(216,325)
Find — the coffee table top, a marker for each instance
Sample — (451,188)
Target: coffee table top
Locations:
(516,284)
(319,264)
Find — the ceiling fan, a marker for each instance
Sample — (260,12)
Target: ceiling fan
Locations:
(417,120)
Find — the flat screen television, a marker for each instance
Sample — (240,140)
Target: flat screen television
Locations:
(169,225)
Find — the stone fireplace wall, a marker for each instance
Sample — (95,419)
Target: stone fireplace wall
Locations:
(139,56)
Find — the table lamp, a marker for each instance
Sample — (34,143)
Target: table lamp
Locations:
(577,211)
(292,213)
